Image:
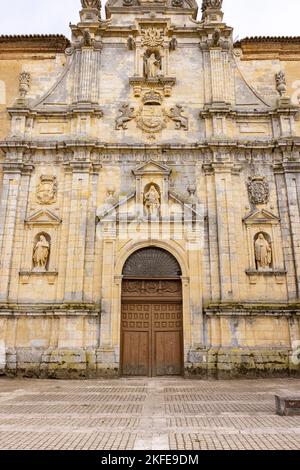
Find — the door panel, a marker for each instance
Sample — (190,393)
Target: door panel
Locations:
(167,339)
(136,353)
(136,330)
(152,328)
(167,355)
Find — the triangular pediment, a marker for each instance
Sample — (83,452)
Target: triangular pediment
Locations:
(131,211)
(110,210)
(152,168)
(43,217)
(262,216)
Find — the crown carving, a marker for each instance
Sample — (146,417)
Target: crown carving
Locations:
(152,97)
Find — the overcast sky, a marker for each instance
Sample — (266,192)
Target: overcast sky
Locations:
(248,17)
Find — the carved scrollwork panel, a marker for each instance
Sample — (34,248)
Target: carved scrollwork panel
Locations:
(151,288)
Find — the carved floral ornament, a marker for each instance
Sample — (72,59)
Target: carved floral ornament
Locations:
(132,288)
(258,190)
(152,37)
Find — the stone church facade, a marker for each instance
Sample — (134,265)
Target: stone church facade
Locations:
(150,197)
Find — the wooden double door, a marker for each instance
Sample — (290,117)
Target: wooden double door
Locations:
(151,328)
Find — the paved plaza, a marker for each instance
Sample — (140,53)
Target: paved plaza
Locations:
(159,414)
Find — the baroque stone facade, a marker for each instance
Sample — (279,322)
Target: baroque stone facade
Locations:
(151,159)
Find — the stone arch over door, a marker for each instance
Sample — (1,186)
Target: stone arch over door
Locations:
(151,314)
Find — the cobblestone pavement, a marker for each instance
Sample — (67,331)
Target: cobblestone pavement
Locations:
(159,414)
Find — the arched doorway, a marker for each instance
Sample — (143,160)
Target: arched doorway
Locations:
(151,316)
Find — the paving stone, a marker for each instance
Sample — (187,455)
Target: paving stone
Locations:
(148,414)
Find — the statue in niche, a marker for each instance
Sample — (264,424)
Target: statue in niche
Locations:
(263,253)
(152,66)
(41,254)
(152,201)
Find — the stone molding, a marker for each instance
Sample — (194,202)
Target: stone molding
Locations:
(27,277)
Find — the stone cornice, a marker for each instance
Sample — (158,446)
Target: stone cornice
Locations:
(34,43)
(269,144)
(245,309)
(48,309)
(285,48)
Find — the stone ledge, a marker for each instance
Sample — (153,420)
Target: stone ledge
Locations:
(50,276)
(278,274)
(235,309)
(49,309)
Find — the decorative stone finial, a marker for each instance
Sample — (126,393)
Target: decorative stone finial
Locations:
(212,11)
(91,4)
(24,87)
(217,4)
(281,83)
(91,11)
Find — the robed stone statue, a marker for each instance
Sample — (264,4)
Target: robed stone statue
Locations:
(41,254)
(263,253)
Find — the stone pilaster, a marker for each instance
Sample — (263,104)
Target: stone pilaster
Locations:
(76,246)
(288,189)
(226,221)
(12,175)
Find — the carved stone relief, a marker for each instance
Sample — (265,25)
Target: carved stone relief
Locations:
(211,4)
(151,116)
(152,37)
(148,288)
(281,83)
(91,4)
(258,190)
(127,114)
(24,84)
(153,45)
(176,115)
(177,3)
(46,192)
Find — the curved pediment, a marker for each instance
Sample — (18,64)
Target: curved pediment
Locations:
(129,6)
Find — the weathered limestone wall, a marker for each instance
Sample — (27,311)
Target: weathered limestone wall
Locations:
(212,132)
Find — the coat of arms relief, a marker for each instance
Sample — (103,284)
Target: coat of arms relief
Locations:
(46,191)
(151,116)
(258,190)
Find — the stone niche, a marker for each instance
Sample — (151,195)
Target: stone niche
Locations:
(258,222)
(41,223)
(153,174)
